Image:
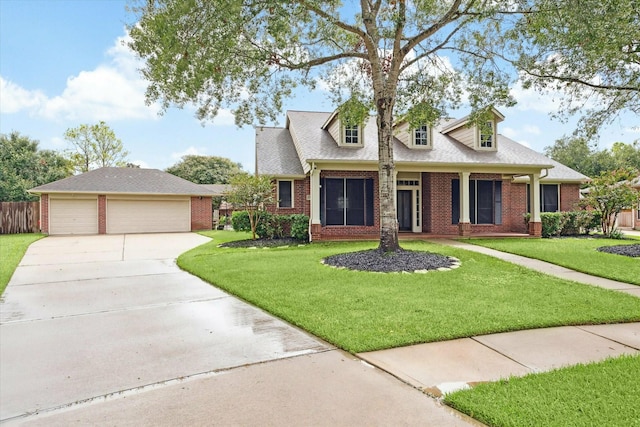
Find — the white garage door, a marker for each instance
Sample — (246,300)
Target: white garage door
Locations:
(73,216)
(148,216)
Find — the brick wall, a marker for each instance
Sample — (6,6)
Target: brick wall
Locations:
(201,213)
(301,187)
(436,196)
(569,197)
(44,213)
(102,214)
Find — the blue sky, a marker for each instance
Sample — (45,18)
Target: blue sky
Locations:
(62,64)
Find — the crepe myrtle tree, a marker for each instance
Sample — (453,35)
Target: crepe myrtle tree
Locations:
(610,193)
(251,193)
(385,58)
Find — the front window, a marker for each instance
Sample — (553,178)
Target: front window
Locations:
(285,194)
(486,135)
(352,134)
(346,201)
(549,198)
(421,136)
(485,201)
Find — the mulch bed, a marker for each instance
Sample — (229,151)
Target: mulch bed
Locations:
(626,250)
(392,262)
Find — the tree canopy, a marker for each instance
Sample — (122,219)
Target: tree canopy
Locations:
(578,154)
(415,59)
(24,166)
(205,169)
(95,146)
(589,50)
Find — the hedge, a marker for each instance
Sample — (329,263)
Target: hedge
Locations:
(272,226)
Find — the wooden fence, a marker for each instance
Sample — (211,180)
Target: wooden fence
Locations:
(19,217)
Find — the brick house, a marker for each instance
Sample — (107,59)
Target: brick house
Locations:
(452,179)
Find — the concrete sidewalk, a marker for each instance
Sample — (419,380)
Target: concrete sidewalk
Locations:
(441,367)
(548,268)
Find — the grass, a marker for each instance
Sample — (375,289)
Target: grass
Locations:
(599,394)
(360,311)
(578,254)
(12,249)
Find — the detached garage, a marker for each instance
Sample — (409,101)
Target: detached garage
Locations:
(123,200)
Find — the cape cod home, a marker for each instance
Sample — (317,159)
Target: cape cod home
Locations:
(452,179)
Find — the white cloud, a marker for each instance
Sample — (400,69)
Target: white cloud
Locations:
(532,129)
(15,98)
(191,151)
(531,100)
(111,91)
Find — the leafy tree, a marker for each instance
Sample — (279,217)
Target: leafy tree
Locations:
(626,155)
(24,166)
(251,193)
(576,153)
(587,49)
(205,169)
(609,194)
(95,146)
(249,55)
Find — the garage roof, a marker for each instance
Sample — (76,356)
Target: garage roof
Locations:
(124,181)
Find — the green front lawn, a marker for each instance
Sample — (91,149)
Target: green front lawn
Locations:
(578,254)
(12,249)
(361,311)
(599,394)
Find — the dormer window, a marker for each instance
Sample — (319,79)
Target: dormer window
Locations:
(352,135)
(486,136)
(422,136)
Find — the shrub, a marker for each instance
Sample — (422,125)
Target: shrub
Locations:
(240,221)
(569,223)
(300,227)
(589,220)
(551,223)
(273,226)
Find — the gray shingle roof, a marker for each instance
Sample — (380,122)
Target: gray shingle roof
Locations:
(124,181)
(217,189)
(277,153)
(304,141)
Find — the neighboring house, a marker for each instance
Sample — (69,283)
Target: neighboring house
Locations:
(454,179)
(123,200)
(630,218)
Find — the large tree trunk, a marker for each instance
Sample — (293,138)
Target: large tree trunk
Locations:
(386,177)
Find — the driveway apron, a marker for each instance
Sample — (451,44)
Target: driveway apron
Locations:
(87,316)
(108,330)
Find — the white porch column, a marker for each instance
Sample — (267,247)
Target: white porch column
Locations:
(464,224)
(534,197)
(535,224)
(464,197)
(315,195)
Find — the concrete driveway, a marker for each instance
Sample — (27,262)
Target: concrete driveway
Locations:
(108,330)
